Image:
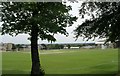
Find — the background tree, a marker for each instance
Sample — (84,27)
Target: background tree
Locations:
(18,46)
(104,20)
(44,47)
(68,46)
(39,20)
(13,47)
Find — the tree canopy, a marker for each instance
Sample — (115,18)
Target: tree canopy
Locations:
(51,18)
(104,20)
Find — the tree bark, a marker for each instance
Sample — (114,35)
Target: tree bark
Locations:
(35,70)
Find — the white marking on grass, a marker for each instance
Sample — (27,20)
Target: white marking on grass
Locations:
(52,53)
(56,52)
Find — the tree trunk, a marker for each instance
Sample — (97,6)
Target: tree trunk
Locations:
(34,51)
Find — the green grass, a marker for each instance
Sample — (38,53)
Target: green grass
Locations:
(83,61)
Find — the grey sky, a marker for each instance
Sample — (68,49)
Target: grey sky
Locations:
(22,38)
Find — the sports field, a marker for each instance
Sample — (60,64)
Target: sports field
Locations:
(82,61)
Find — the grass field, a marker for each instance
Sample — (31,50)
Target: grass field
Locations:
(82,61)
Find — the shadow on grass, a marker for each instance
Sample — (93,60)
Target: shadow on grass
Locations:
(15,73)
(80,75)
(95,71)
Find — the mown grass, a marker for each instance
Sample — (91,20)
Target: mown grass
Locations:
(82,61)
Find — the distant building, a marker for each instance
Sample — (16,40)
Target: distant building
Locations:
(24,47)
(6,46)
(88,47)
(75,47)
(101,44)
(42,47)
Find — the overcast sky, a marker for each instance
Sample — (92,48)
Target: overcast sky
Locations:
(23,38)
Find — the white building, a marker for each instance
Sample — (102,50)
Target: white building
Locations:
(102,45)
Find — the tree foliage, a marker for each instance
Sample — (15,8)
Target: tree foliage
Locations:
(104,20)
(51,18)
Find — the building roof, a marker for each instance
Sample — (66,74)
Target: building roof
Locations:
(101,41)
